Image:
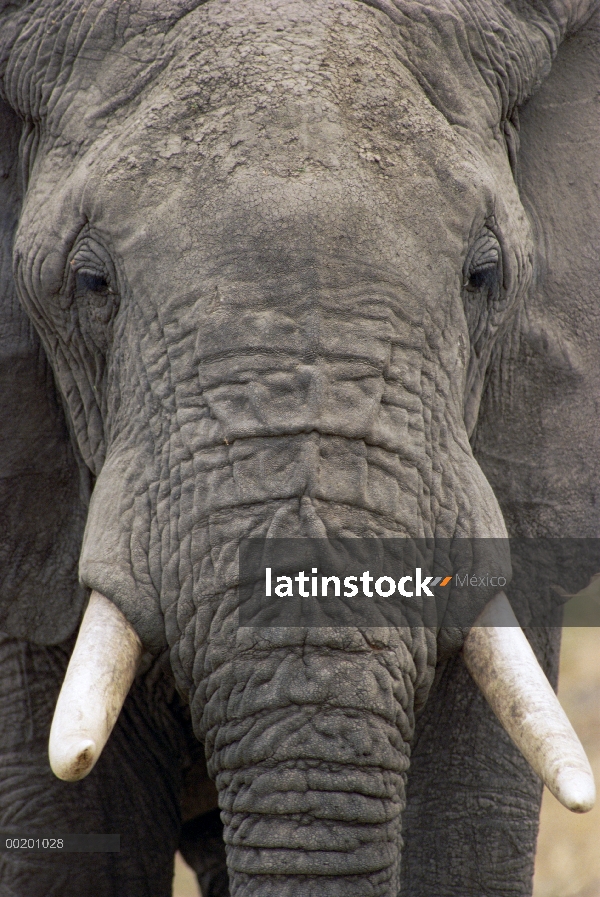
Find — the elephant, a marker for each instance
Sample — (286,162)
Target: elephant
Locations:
(322,268)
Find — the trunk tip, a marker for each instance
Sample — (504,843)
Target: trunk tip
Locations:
(73,759)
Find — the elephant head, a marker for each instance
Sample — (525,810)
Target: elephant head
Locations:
(269,249)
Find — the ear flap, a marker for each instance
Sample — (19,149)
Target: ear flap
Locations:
(44,490)
(479,60)
(538,434)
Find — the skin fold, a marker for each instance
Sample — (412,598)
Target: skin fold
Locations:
(279,270)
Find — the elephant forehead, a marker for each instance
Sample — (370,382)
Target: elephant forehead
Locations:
(265,123)
(95,61)
(206,57)
(251,91)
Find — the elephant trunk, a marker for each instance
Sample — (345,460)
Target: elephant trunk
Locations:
(309,746)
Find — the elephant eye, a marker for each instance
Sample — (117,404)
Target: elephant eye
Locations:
(92,290)
(95,283)
(93,277)
(483,264)
(482,277)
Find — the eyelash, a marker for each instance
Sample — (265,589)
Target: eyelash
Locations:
(90,281)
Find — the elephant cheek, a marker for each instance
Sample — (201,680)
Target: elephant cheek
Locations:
(309,747)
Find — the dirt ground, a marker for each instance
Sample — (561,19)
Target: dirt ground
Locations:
(568,857)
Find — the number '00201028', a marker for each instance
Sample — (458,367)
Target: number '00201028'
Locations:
(34,843)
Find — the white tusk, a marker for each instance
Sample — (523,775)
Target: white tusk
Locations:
(503,665)
(99,676)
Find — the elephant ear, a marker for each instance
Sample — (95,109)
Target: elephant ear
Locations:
(479,60)
(44,489)
(538,434)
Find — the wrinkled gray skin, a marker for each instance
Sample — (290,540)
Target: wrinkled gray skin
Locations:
(274,251)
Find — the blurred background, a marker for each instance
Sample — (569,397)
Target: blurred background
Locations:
(568,857)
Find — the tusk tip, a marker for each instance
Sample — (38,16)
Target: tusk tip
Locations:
(74,760)
(503,665)
(575,789)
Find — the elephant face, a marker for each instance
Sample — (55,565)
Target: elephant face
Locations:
(269,250)
(269,289)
